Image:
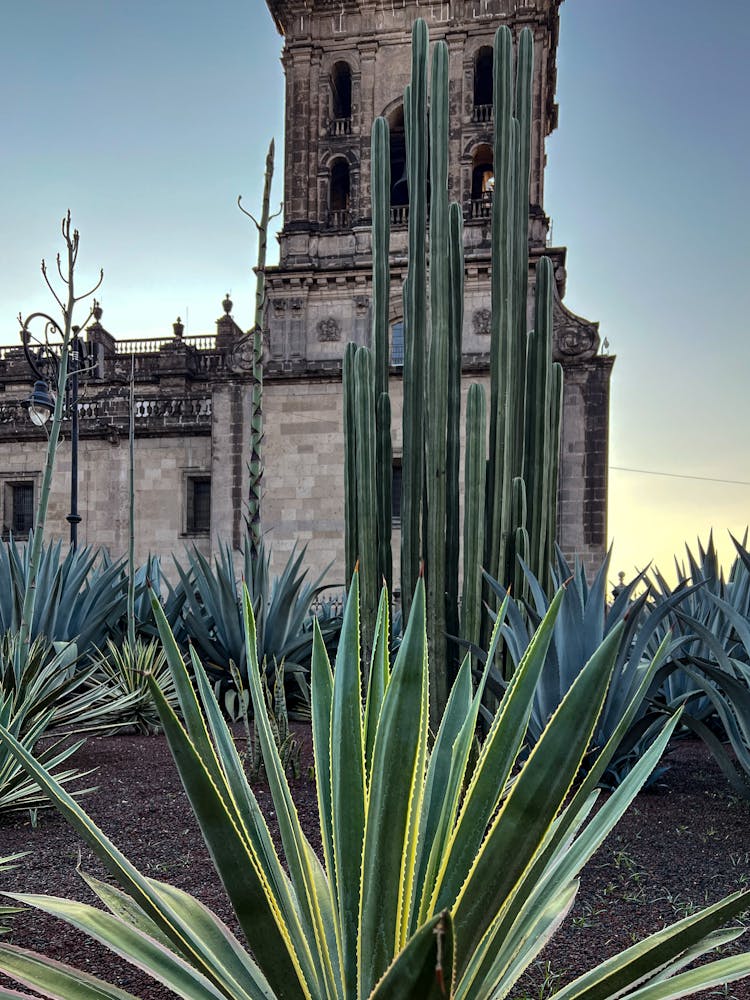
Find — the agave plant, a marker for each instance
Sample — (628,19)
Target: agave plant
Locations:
(212,614)
(123,670)
(149,581)
(52,685)
(80,597)
(8,911)
(585,620)
(236,703)
(435,881)
(705,575)
(28,707)
(712,658)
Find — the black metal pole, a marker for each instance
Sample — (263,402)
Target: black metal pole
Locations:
(74,517)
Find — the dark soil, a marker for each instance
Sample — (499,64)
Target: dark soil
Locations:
(680,846)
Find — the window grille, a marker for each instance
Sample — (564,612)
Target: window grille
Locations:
(198,505)
(397,344)
(22,500)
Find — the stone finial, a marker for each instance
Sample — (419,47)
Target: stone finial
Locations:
(227,331)
(179,328)
(97,312)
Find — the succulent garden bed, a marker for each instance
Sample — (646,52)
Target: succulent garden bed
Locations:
(683,843)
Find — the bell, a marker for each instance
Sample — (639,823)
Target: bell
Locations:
(400,191)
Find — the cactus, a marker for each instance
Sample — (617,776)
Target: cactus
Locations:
(537,425)
(525,395)
(475,465)
(553,456)
(510,496)
(367,536)
(453,456)
(351,543)
(381,286)
(415,318)
(436,396)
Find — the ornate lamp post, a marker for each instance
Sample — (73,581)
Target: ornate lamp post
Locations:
(43,356)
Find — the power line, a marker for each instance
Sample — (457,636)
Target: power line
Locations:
(680,475)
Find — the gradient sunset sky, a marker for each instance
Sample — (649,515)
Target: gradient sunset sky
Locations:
(148,117)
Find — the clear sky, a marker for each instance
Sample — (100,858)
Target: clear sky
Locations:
(148,117)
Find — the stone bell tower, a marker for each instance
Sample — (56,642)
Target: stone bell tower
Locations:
(347,62)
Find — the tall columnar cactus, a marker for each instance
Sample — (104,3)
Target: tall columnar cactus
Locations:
(436,396)
(351,491)
(452,484)
(367,518)
(381,290)
(510,496)
(504,385)
(415,318)
(525,394)
(537,426)
(475,466)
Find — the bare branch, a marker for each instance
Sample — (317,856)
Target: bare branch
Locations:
(50,286)
(91,291)
(245,211)
(277,214)
(59,271)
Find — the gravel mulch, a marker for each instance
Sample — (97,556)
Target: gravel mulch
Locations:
(681,845)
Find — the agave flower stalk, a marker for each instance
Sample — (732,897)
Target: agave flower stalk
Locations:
(255,465)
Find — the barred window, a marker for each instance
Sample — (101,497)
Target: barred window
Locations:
(17,499)
(23,508)
(198,520)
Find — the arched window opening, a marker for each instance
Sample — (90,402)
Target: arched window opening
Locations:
(339,194)
(483,85)
(482,183)
(341,99)
(397,343)
(399,185)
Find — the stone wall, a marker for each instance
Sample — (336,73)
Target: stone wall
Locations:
(304,479)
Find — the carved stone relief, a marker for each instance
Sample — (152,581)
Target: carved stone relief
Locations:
(329,330)
(241,356)
(481,321)
(574,336)
(362,303)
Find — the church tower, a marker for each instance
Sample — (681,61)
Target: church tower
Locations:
(347,62)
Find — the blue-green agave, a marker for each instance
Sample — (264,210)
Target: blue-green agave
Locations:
(438,878)
(584,621)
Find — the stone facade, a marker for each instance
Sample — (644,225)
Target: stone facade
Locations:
(191,415)
(345,62)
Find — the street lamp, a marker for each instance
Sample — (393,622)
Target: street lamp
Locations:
(40,404)
(43,355)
